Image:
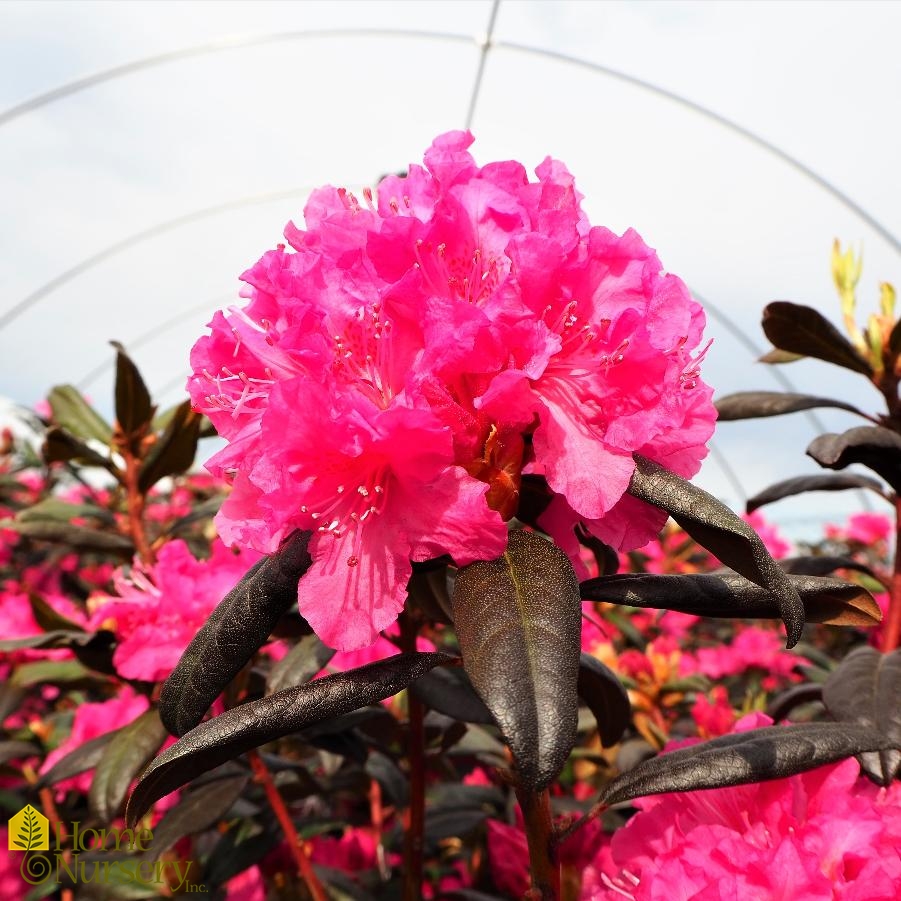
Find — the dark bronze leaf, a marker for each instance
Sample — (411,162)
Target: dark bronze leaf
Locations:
(715,527)
(756,404)
(123,758)
(786,701)
(771,752)
(235,631)
(606,698)
(79,538)
(823,566)
(85,757)
(865,688)
(134,409)
(449,691)
(197,809)
(518,622)
(175,450)
(61,447)
(730,596)
(299,665)
(803,330)
(238,730)
(872,446)
(823,482)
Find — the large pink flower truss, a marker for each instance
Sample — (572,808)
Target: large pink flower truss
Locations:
(394,374)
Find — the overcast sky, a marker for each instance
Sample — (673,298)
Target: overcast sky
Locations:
(819,80)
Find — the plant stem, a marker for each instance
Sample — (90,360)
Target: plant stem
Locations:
(544,868)
(296,845)
(135,502)
(414,839)
(891,634)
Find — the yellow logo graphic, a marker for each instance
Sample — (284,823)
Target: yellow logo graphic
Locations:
(29,830)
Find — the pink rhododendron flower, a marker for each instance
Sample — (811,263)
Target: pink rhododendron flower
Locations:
(866,528)
(480,312)
(825,834)
(713,714)
(159,609)
(752,646)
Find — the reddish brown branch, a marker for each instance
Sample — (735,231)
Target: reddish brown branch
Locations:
(544,868)
(296,845)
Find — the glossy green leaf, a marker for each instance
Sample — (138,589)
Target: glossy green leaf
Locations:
(77,416)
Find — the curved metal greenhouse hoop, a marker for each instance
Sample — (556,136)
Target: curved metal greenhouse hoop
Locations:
(239,42)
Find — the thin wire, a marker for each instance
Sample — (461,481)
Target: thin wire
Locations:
(231,42)
(240,42)
(483,58)
(146,337)
(146,234)
(708,113)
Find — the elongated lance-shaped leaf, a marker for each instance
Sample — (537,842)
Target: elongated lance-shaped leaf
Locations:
(76,415)
(714,526)
(865,688)
(175,450)
(871,446)
(771,752)
(823,482)
(803,330)
(123,758)
(84,757)
(238,730)
(134,408)
(756,404)
(823,566)
(196,810)
(730,596)
(606,698)
(235,631)
(518,622)
(449,691)
(300,664)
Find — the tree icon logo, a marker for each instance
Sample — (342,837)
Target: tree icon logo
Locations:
(29,830)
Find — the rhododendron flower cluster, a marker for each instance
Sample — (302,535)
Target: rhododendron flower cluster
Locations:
(397,370)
